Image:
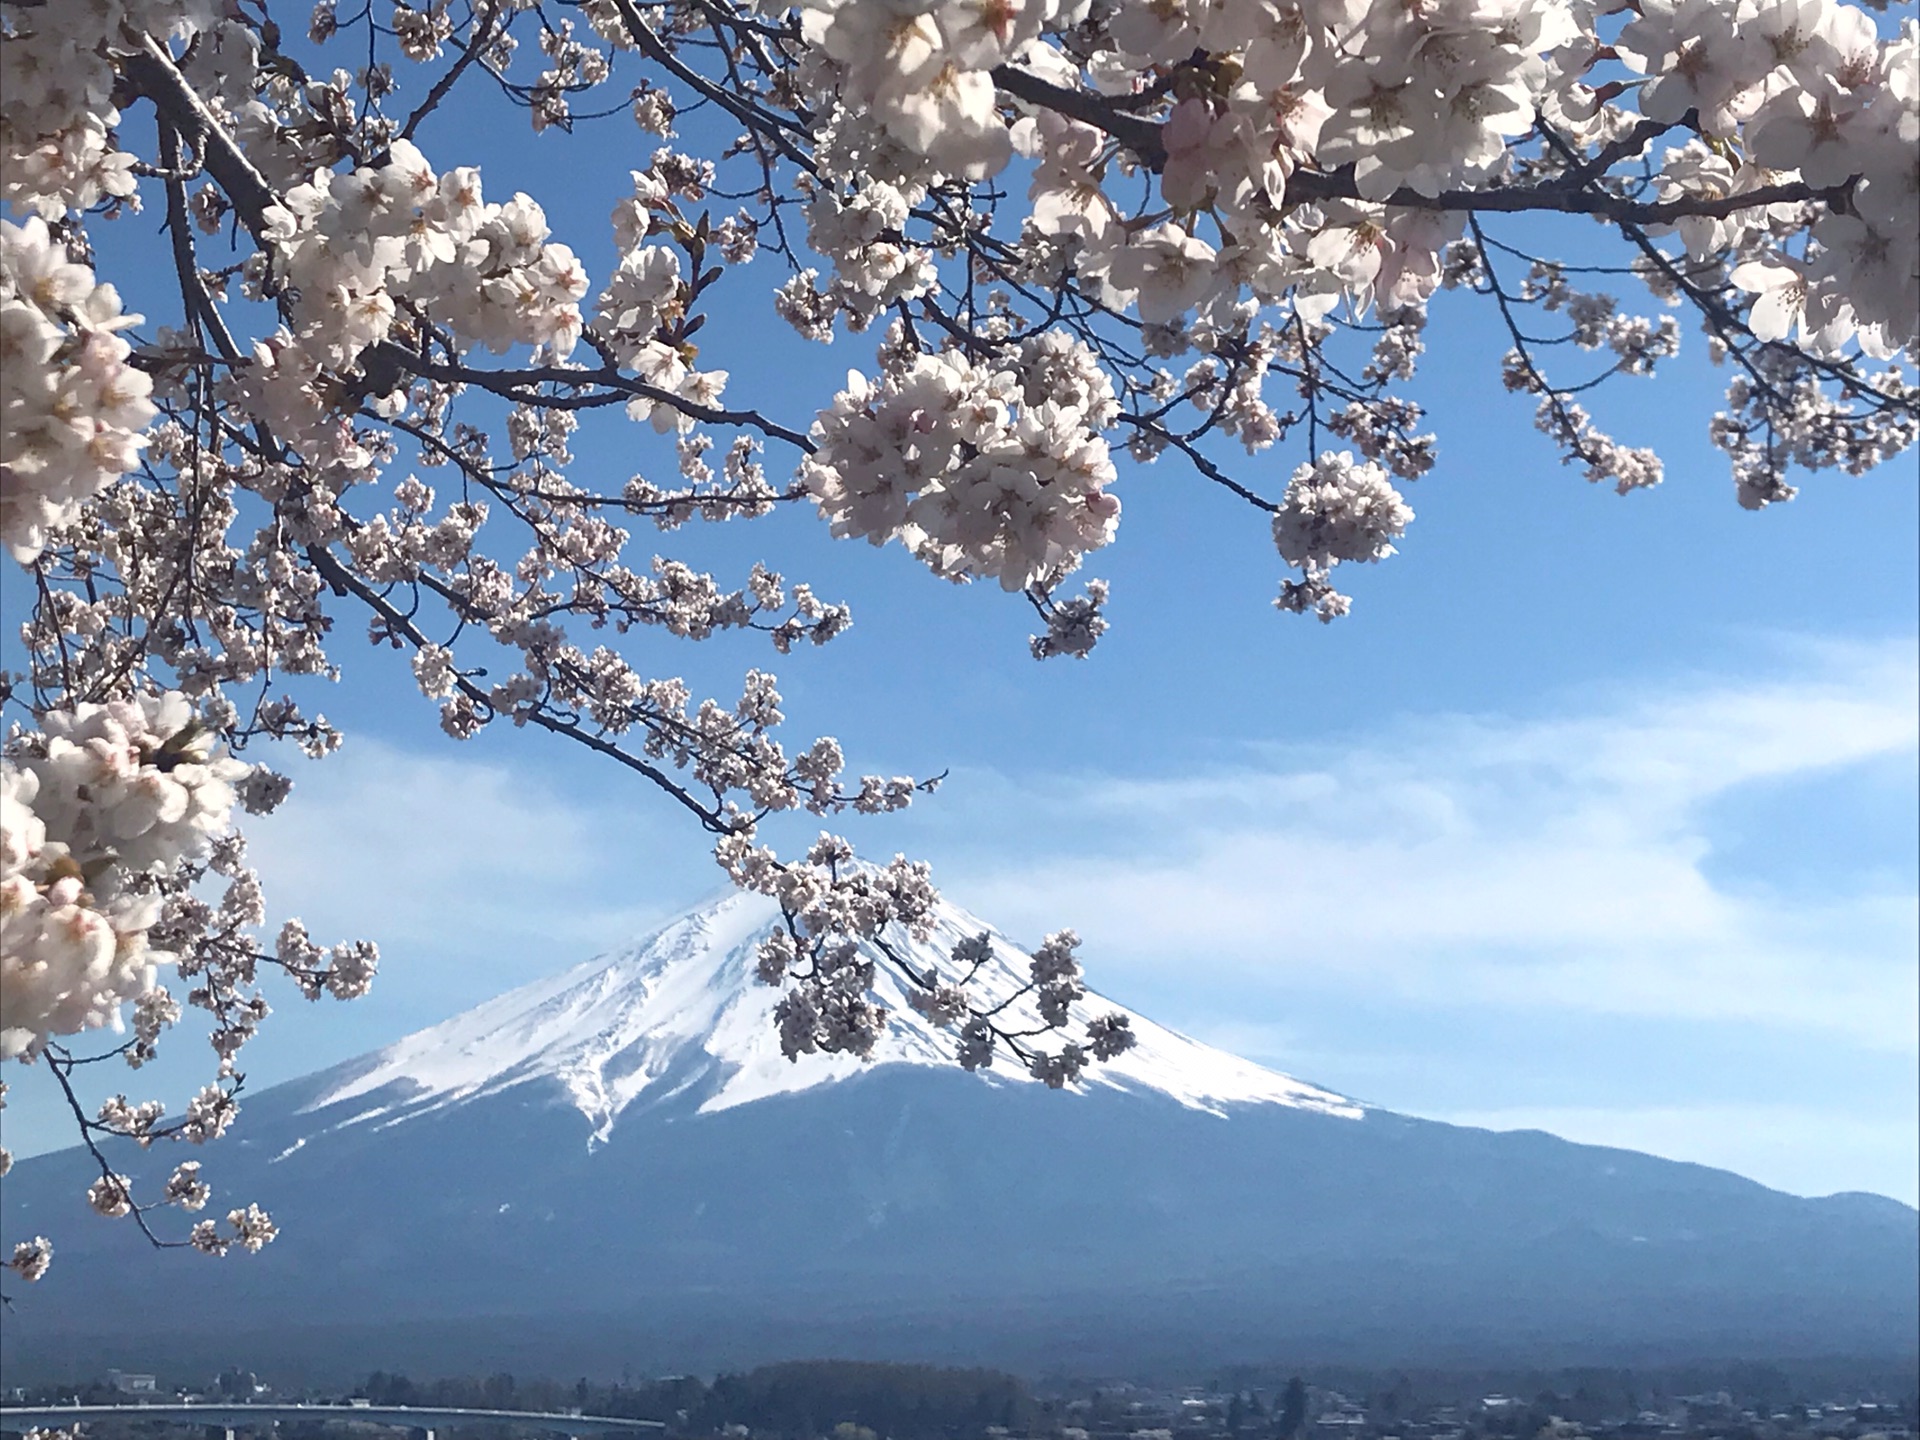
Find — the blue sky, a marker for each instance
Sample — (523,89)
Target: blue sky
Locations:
(1597,815)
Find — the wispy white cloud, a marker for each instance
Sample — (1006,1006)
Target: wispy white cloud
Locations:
(1568,864)
(1560,862)
(467,869)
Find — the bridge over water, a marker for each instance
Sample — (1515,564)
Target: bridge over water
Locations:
(417,1420)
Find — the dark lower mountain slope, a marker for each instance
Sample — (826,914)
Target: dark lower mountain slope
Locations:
(910,1212)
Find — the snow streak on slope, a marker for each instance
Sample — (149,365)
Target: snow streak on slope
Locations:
(679,1017)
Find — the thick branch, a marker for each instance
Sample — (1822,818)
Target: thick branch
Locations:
(152,72)
(1140,136)
(1559,196)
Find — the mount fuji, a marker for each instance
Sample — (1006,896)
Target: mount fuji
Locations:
(615,1167)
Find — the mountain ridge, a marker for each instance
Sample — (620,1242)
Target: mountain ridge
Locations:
(683,997)
(616,1162)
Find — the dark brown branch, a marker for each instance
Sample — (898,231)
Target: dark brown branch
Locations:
(1565,195)
(153,73)
(752,116)
(1140,136)
(509,384)
(470,52)
(1200,462)
(345,582)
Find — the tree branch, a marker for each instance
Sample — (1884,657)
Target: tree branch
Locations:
(152,72)
(1566,195)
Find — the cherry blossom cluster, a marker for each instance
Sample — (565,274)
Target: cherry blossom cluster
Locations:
(74,408)
(1335,510)
(57,145)
(841,914)
(29,1261)
(1807,89)
(353,248)
(252,1229)
(1074,624)
(862,232)
(979,471)
(1414,101)
(111,819)
(107,798)
(922,75)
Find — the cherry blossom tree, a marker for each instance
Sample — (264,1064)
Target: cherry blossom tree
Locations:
(1194,230)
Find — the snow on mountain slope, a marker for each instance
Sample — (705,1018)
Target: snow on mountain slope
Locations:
(679,1015)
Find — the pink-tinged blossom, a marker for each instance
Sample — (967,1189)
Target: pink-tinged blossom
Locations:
(74,407)
(1337,509)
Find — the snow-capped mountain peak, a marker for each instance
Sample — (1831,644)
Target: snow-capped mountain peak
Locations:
(679,1016)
